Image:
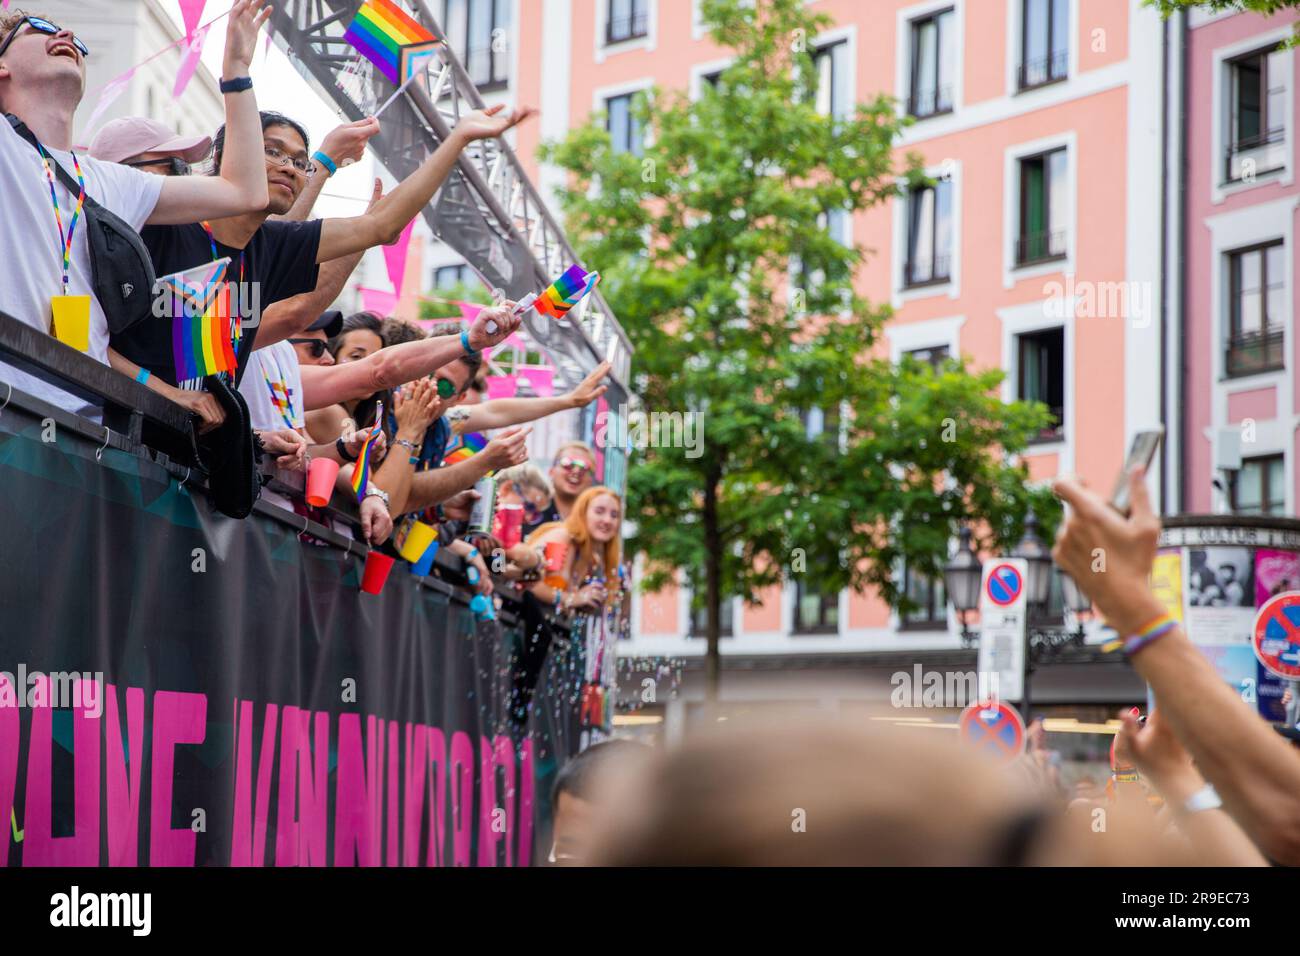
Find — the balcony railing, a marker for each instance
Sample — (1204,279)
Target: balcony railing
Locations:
(931,101)
(630,27)
(1252,156)
(1251,352)
(1041,247)
(1043,71)
(923,271)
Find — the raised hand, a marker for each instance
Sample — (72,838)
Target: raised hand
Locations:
(346,144)
(589,389)
(488,123)
(507,449)
(502,318)
(242,27)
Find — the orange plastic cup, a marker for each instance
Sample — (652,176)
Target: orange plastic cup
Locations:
(321,474)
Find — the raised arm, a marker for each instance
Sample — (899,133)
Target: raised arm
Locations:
(241,187)
(501,412)
(398,364)
(385,222)
(433,487)
(342,146)
(1255,772)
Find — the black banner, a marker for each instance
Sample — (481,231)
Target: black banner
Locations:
(178,688)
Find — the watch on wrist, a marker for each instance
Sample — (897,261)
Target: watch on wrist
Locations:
(236,85)
(342,448)
(373,492)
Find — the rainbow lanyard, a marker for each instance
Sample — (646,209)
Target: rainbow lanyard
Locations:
(281,393)
(236,332)
(65,244)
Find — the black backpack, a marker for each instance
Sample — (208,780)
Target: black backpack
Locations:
(121,271)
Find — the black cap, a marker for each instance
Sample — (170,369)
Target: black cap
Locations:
(331,323)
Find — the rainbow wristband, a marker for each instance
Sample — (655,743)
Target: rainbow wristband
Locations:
(1149,634)
(1125,775)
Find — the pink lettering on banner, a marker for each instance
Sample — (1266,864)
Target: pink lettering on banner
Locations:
(436,745)
(248,829)
(503,752)
(359,812)
(414,793)
(301,825)
(178,718)
(8,758)
(487,805)
(124,776)
(462,796)
(527,783)
(390,859)
(41,847)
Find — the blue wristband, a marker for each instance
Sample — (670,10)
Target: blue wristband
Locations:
(464,340)
(142,376)
(319,157)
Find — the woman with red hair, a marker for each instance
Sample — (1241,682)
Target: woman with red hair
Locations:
(590,565)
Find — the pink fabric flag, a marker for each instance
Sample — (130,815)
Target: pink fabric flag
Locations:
(189,62)
(377,301)
(192,15)
(112,90)
(395,257)
(540,377)
(502,386)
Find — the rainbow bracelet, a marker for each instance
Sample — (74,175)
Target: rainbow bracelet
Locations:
(1149,634)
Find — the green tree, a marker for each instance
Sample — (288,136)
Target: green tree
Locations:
(701,239)
(1266,7)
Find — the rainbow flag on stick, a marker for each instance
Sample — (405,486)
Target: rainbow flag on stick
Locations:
(468,446)
(391,39)
(566,292)
(201,321)
(361,471)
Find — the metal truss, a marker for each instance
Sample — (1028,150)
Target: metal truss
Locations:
(488,210)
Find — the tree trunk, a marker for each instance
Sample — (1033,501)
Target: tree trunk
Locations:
(712,591)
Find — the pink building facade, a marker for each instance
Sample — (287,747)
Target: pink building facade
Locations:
(1234,267)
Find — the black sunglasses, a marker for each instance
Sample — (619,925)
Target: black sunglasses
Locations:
(41,25)
(317,349)
(175,165)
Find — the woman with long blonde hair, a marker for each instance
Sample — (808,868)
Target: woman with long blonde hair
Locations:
(591,564)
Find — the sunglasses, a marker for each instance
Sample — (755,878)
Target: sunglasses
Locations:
(41,25)
(569,464)
(175,165)
(446,388)
(316,347)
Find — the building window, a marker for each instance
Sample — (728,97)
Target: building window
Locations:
(449,277)
(929,235)
(1257,122)
(1257,285)
(623,125)
(814,611)
(477,30)
(1041,376)
(700,620)
(1043,227)
(1044,42)
(823,423)
(934,58)
(627,20)
(933,357)
(1260,488)
(930,600)
(834,95)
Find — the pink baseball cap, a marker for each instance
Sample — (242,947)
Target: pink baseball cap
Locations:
(120,139)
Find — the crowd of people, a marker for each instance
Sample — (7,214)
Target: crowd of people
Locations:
(306,384)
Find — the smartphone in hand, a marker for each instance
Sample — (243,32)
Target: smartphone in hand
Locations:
(1140,455)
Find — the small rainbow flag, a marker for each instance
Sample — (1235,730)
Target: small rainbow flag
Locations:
(391,39)
(464,447)
(361,471)
(566,292)
(201,321)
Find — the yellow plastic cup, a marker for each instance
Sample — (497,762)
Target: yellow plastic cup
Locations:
(417,541)
(72,320)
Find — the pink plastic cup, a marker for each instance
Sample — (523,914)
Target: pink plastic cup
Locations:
(321,474)
(510,525)
(376,573)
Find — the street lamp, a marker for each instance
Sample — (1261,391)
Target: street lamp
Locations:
(962,577)
(1038,561)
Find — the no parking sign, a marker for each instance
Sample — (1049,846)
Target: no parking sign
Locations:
(993,728)
(1276,637)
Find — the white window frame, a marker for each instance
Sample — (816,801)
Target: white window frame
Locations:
(1038,316)
(928,334)
(601,94)
(903,55)
(1011,207)
(1015,25)
(1221,116)
(647,42)
(847,34)
(699,71)
(900,293)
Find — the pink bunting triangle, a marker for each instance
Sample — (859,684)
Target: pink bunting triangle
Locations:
(190,62)
(112,90)
(395,257)
(377,301)
(192,15)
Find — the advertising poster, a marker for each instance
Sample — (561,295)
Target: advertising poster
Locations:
(1220,589)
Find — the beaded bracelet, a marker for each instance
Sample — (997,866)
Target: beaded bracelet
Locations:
(1150,633)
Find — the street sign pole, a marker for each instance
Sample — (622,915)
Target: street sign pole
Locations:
(1004,629)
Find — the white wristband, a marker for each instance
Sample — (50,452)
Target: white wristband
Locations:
(1204,799)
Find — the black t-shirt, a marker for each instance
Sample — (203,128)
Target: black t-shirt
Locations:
(546,517)
(280,258)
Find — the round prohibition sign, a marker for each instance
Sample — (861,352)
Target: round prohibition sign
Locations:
(1004,585)
(994,729)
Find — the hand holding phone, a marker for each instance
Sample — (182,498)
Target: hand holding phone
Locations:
(1140,454)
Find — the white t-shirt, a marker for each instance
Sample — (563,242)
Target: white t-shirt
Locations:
(272,387)
(32,258)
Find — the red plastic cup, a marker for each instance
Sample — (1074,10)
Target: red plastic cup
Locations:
(377,567)
(509,525)
(321,474)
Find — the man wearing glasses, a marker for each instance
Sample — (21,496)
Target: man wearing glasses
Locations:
(42,80)
(573,472)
